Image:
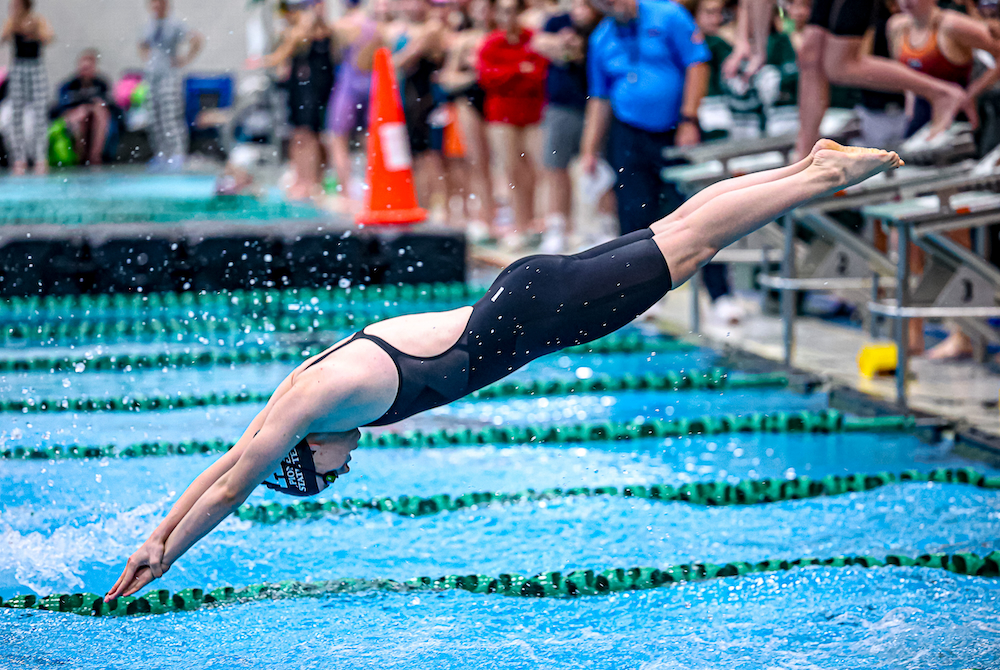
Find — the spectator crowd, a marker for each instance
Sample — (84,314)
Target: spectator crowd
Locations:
(518,111)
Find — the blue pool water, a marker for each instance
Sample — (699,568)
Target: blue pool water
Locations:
(69,525)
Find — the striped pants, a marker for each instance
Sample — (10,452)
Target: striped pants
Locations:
(29,89)
(166,106)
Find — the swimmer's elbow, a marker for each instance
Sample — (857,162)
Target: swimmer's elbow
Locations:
(231,492)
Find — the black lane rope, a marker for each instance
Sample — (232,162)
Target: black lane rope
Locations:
(672,380)
(542,585)
(746,492)
(630,342)
(825,421)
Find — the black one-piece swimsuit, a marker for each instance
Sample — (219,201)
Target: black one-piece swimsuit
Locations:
(538,305)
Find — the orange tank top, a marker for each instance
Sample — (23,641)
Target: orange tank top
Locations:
(929,60)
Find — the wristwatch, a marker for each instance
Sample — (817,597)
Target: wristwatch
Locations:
(684,118)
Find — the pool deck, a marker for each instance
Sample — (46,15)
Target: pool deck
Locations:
(963,391)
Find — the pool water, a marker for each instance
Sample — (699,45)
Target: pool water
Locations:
(69,525)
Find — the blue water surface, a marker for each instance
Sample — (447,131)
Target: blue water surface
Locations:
(69,525)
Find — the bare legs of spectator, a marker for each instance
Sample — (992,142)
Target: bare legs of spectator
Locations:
(559,214)
(89,126)
(340,155)
(837,59)
(477,147)
(428,177)
(306,155)
(456,181)
(519,170)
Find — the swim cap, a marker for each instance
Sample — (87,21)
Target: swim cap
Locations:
(297,474)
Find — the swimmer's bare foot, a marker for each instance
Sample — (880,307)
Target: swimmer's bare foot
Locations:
(946,106)
(806,161)
(826,144)
(846,166)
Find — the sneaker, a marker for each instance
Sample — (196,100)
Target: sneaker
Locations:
(554,238)
(477,232)
(553,242)
(175,163)
(512,242)
(157,164)
(728,310)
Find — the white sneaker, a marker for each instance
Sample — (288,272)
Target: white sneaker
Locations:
(477,232)
(175,163)
(513,243)
(554,237)
(728,310)
(553,242)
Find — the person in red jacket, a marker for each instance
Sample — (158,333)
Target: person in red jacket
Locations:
(513,77)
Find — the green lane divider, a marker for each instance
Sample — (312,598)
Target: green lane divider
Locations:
(223,313)
(746,492)
(250,301)
(542,585)
(208,327)
(716,378)
(628,342)
(86,210)
(825,421)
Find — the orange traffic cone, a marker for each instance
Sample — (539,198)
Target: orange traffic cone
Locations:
(391,198)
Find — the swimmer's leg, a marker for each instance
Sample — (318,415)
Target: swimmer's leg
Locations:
(706,195)
(690,241)
(735,183)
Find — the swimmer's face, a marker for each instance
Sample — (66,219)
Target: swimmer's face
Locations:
(332,451)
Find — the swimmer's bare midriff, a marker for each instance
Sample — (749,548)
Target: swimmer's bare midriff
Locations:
(423,335)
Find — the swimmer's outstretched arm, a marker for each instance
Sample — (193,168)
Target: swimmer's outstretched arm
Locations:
(286,420)
(150,553)
(221,489)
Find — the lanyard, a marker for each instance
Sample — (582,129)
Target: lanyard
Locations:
(628,38)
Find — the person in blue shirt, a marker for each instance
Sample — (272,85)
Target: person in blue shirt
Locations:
(647,73)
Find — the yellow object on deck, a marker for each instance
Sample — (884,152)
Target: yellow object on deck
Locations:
(877,359)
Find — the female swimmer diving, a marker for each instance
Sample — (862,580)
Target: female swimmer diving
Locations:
(302,439)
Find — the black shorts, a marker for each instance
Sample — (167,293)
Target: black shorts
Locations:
(307,102)
(844,18)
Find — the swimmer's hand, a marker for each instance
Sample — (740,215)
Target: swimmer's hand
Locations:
(145,565)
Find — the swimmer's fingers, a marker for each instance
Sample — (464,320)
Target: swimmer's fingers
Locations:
(126,577)
(142,577)
(119,586)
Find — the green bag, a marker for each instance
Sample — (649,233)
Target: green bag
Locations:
(61,152)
